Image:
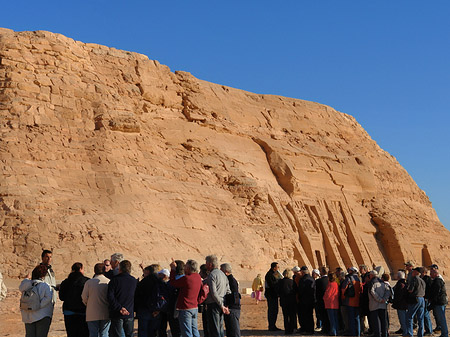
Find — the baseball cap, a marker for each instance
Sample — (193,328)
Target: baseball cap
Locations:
(304,268)
(296,269)
(408,263)
(433,266)
(165,272)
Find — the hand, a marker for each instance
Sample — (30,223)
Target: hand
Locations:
(225,310)
(155,313)
(28,276)
(124,312)
(173,264)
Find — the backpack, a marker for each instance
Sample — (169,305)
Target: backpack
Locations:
(203,294)
(159,301)
(30,301)
(350,291)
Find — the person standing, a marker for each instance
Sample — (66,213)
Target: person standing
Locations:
(271,279)
(331,303)
(258,288)
(351,292)
(74,309)
(400,301)
(94,296)
(187,303)
(218,287)
(233,302)
(50,278)
(116,258)
(321,286)
(37,322)
(416,303)
(379,294)
(121,289)
(438,301)
(306,298)
(287,302)
(428,327)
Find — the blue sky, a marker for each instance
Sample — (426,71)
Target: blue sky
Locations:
(384,62)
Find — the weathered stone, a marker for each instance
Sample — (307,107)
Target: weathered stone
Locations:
(104,150)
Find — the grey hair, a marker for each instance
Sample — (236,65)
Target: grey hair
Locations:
(226,267)
(401,274)
(117,257)
(213,260)
(193,265)
(288,273)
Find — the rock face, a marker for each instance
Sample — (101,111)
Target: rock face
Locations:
(104,150)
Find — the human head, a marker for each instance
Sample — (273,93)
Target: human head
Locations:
(211,262)
(125,267)
(315,273)
(226,268)
(288,273)
(304,270)
(99,268)
(423,271)
(190,267)
(324,271)
(434,273)
(116,258)
(164,275)
(39,272)
(107,264)
(408,266)
(331,277)
(400,275)
(434,266)
(416,271)
(296,270)
(77,267)
(148,271)
(274,266)
(363,269)
(203,271)
(373,274)
(46,257)
(179,269)
(385,277)
(352,270)
(341,275)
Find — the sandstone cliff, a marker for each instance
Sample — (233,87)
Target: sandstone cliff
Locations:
(104,150)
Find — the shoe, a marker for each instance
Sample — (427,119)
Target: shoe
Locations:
(428,334)
(436,329)
(274,329)
(399,331)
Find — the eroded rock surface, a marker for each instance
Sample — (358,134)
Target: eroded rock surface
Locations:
(104,150)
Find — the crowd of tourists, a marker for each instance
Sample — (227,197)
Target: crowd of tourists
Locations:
(108,303)
(356,301)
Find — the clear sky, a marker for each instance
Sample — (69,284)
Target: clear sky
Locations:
(387,63)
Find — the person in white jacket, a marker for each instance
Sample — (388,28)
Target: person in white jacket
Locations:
(95,297)
(37,322)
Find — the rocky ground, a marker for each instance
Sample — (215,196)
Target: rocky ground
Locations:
(253,318)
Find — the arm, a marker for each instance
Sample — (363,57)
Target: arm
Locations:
(113,304)
(374,293)
(85,293)
(62,291)
(180,283)
(212,283)
(46,294)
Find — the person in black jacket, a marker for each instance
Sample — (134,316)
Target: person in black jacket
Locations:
(306,299)
(287,302)
(272,278)
(438,300)
(427,319)
(400,301)
(321,286)
(233,302)
(73,308)
(121,291)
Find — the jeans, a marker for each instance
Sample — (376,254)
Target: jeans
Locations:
(99,328)
(439,313)
(39,328)
(427,319)
(402,319)
(232,326)
(334,321)
(413,310)
(76,325)
(272,311)
(148,325)
(188,322)
(353,321)
(215,320)
(121,327)
(379,321)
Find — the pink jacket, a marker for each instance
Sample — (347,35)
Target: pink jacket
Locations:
(331,296)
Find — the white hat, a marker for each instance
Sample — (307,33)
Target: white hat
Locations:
(353,269)
(316,271)
(296,269)
(165,272)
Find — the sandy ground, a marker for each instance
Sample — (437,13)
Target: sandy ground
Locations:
(253,318)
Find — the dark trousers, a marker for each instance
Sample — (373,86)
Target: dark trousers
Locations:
(121,326)
(322,315)
(306,310)
(379,322)
(272,311)
(167,317)
(232,326)
(76,326)
(39,328)
(289,317)
(215,320)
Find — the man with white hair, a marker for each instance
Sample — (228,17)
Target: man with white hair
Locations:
(215,306)
(116,258)
(233,301)
(400,301)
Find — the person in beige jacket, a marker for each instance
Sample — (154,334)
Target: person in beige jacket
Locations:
(94,296)
(3,289)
